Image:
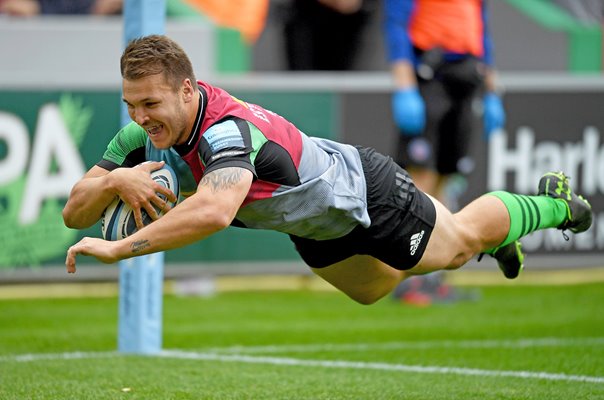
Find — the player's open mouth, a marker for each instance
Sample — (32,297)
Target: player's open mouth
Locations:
(154,130)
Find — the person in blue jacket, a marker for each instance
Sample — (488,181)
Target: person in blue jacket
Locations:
(440,54)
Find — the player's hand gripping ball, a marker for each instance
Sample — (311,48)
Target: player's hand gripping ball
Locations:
(118,219)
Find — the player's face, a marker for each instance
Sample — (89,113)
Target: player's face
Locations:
(161,111)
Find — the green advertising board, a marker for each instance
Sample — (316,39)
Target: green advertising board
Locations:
(49,139)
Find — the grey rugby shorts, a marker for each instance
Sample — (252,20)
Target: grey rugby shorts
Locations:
(402,220)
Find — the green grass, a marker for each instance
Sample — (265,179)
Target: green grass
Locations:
(564,326)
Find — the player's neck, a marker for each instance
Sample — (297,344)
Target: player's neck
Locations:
(193,124)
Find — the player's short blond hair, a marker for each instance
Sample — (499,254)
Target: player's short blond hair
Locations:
(156,54)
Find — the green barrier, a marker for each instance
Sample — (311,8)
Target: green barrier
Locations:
(178,9)
(584,40)
(585,54)
(233,54)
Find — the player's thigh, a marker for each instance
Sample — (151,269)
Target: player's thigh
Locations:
(450,245)
(363,278)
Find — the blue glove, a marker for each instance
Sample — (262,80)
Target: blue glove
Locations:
(494,114)
(409,111)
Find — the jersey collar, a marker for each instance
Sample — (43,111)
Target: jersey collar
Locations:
(186,147)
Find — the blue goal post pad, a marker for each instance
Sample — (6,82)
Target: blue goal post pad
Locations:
(141,278)
(140,304)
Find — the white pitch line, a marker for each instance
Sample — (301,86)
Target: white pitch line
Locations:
(241,358)
(59,356)
(378,366)
(431,344)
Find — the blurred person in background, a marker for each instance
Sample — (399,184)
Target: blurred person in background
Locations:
(441,60)
(27,8)
(246,16)
(324,35)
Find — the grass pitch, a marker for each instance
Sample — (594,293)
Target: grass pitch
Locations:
(516,342)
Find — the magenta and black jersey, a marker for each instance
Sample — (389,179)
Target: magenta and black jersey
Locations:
(307,187)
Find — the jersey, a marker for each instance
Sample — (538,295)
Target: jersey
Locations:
(459,27)
(304,186)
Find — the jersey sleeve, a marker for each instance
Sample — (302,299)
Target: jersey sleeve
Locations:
(227,143)
(126,149)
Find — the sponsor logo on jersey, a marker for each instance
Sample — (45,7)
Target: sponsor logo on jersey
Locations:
(227,153)
(223,135)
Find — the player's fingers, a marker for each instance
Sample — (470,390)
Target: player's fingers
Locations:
(166,207)
(152,211)
(161,205)
(167,193)
(151,166)
(138,217)
(70,260)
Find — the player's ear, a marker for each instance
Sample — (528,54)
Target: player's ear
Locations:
(187,90)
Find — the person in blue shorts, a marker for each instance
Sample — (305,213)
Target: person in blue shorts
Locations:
(354,215)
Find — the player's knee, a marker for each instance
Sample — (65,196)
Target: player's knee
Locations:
(365,299)
(368,294)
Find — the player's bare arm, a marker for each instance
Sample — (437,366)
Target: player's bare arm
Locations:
(95,191)
(222,179)
(88,198)
(212,208)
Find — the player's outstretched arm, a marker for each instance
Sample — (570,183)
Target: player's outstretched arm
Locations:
(211,209)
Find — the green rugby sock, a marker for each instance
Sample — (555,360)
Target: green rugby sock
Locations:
(530,213)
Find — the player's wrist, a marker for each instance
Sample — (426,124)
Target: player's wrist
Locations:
(109,183)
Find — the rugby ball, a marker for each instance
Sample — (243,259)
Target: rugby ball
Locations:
(118,222)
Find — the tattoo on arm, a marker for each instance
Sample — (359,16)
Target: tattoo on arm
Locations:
(222,179)
(139,245)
